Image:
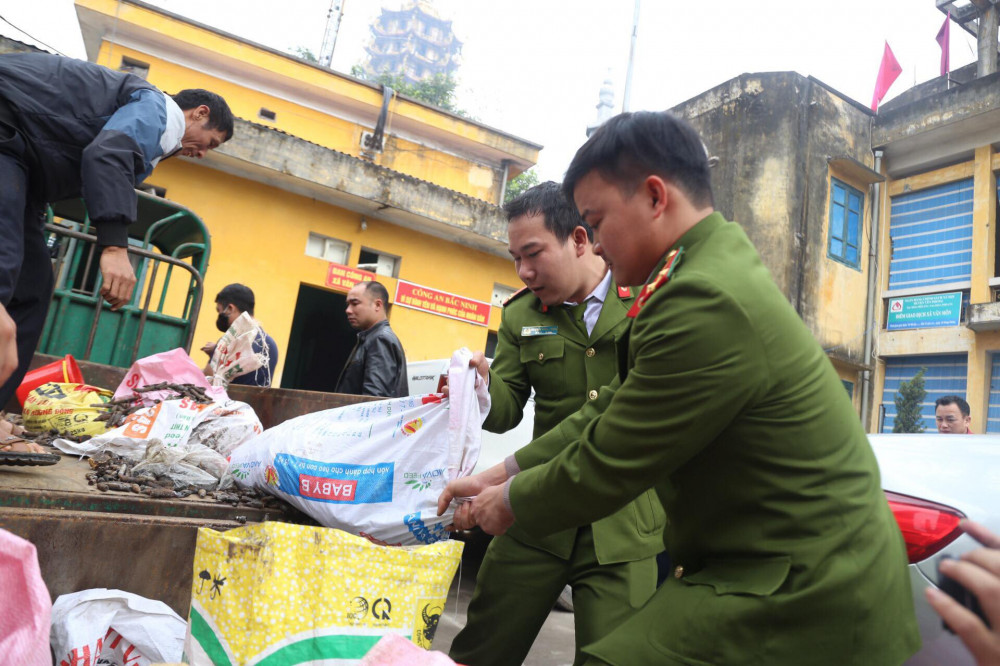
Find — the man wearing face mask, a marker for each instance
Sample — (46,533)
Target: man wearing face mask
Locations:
(231,302)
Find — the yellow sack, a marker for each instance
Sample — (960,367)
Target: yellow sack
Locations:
(66,408)
(284,594)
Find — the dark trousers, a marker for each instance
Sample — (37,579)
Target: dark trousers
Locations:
(25,266)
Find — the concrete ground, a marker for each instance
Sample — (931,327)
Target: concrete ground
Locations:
(554,645)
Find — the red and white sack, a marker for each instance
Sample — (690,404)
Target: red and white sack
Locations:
(234,355)
(374,469)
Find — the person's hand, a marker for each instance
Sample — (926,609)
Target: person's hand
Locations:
(8,346)
(466,487)
(490,512)
(119,278)
(208,348)
(979,572)
(479,362)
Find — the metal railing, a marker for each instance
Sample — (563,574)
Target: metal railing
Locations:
(65,276)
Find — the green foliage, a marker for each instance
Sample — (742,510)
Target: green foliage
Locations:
(438,90)
(520,183)
(305,54)
(908,403)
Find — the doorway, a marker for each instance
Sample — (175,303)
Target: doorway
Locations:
(320,341)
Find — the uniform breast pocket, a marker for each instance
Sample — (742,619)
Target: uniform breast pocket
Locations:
(544,359)
(542,350)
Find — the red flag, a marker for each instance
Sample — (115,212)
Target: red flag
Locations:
(942,39)
(888,72)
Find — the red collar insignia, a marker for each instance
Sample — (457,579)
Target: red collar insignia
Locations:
(660,279)
(623,292)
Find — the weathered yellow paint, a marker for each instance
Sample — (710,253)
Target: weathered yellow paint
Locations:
(843,288)
(852,375)
(259,236)
(442,167)
(338,134)
(929,179)
(957,339)
(259,232)
(984,231)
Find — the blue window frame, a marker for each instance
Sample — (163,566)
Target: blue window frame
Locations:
(845,223)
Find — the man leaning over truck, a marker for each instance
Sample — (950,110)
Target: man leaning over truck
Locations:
(70,128)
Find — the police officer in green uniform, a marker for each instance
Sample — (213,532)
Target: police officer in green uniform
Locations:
(785,550)
(559,336)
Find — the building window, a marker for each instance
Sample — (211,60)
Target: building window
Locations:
(267,114)
(327,249)
(931,235)
(132,66)
(501,293)
(849,387)
(491,344)
(378,263)
(845,223)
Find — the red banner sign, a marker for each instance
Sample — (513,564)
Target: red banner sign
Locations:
(442,303)
(344,277)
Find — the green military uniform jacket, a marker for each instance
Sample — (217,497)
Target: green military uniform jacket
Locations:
(786,550)
(543,348)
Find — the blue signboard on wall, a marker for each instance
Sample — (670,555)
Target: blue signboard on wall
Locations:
(930,311)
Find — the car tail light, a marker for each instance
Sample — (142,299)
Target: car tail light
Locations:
(927,527)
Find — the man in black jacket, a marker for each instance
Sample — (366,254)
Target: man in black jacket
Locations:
(70,128)
(377,364)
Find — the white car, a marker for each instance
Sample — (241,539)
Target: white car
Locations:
(932,481)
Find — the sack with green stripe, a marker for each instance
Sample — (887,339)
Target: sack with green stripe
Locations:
(277,594)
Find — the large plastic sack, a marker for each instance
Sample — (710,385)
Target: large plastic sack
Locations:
(68,408)
(226,426)
(172,367)
(115,628)
(234,355)
(374,468)
(27,608)
(291,594)
(169,439)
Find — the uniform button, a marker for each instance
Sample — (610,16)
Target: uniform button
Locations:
(592,395)
(591,352)
(678,571)
(541,356)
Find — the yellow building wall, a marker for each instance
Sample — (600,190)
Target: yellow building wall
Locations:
(978,346)
(844,292)
(849,374)
(447,170)
(259,236)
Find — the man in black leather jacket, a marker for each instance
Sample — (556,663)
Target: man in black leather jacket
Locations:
(377,364)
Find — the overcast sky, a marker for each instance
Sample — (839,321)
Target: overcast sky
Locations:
(534,67)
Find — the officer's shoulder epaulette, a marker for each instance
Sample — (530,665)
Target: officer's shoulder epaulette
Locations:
(516,295)
(661,279)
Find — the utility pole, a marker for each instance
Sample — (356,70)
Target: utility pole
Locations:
(631,57)
(332,28)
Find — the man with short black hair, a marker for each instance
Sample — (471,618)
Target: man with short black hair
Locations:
(377,364)
(785,550)
(70,128)
(230,303)
(952,415)
(559,338)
